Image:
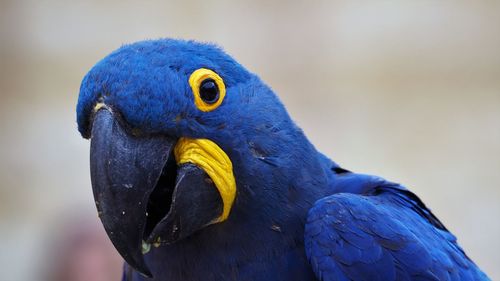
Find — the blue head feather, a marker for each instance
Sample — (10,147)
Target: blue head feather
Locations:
(147,82)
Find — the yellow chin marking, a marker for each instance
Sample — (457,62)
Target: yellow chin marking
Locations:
(214,161)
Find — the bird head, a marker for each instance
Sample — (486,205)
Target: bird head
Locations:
(182,137)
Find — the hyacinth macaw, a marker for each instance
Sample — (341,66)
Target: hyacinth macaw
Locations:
(199,173)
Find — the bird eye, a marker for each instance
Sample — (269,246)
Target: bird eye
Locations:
(208,89)
(209,92)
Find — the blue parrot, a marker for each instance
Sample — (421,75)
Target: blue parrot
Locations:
(199,173)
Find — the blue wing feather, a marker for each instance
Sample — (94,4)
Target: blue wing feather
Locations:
(383,233)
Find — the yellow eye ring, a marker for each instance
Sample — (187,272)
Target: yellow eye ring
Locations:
(208,89)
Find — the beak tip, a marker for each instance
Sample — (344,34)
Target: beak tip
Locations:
(141,269)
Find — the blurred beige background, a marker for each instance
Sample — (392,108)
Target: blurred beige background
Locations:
(409,90)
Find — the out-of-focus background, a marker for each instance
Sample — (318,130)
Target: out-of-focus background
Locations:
(409,90)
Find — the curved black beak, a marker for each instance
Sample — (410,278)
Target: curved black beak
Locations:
(140,192)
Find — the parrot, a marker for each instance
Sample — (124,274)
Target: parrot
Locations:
(199,173)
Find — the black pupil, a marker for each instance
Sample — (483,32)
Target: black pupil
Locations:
(209,92)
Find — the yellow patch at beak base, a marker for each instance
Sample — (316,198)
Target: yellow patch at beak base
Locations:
(214,161)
